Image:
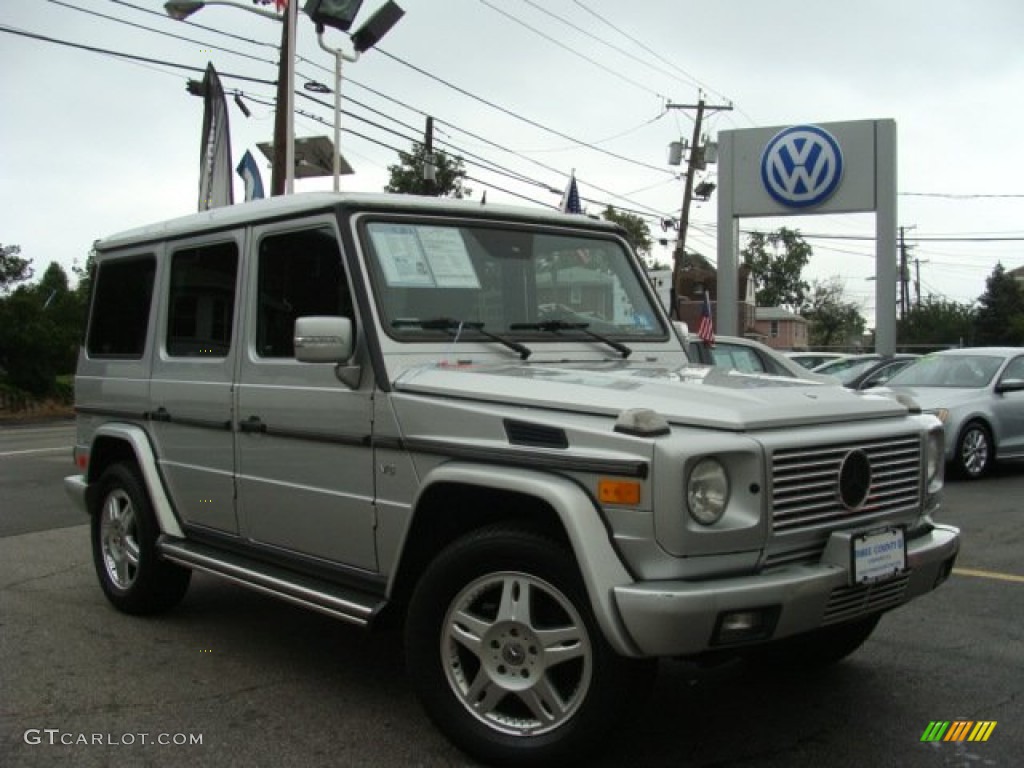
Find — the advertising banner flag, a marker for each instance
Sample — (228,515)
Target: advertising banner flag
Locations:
(215,152)
(250,174)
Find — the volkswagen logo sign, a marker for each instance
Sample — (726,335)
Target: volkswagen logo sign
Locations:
(854,480)
(802,166)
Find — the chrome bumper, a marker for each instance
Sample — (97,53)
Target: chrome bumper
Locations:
(75,486)
(679,618)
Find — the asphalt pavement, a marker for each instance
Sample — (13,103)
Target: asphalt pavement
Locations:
(232,678)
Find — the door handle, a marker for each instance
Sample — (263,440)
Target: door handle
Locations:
(160,414)
(253,424)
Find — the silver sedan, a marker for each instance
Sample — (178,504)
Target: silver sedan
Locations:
(978,394)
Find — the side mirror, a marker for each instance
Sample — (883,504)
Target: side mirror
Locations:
(323,339)
(1010,385)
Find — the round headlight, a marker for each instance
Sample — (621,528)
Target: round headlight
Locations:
(707,491)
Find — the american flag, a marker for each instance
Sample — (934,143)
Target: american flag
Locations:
(571,197)
(706,329)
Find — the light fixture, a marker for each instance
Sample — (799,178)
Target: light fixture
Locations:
(179,10)
(333,13)
(377,26)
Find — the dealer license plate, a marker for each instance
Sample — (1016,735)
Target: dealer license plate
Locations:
(879,555)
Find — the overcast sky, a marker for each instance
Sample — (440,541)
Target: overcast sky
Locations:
(93,144)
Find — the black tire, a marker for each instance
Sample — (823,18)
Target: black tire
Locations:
(506,655)
(974,451)
(822,647)
(124,531)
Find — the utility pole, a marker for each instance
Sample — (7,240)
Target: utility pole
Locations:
(695,160)
(905,276)
(279,163)
(429,167)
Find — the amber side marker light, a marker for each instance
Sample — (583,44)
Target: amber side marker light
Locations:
(618,491)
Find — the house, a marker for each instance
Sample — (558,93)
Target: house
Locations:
(780,328)
(696,276)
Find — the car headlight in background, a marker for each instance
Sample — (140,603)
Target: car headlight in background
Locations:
(707,491)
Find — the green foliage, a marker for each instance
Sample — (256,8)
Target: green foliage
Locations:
(776,261)
(833,321)
(1000,317)
(637,233)
(40,330)
(13,268)
(407,176)
(937,322)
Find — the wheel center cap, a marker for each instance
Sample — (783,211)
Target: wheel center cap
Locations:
(514,654)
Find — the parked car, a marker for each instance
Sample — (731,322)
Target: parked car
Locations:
(476,422)
(868,371)
(748,356)
(978,395)
(811,360)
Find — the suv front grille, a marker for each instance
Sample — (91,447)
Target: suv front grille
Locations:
(805,482)
(848,603)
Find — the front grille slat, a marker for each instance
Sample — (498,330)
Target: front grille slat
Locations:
(806,504)
(805,497)
(850,602)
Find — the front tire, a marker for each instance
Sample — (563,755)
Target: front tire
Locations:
(506,655)
(124,532)
(974,451)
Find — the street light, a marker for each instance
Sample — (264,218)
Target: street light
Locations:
(340,14)
(284,124)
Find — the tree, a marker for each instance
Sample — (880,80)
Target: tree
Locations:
(637,233)
(40,330)
(833,320)
(776,272)
(407,176)
(1000,317)
(936,322)
(13,268)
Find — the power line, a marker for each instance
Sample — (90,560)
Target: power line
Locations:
(574,52)
(959,196)
(642,45)
(127,56)
(592,36)
(511,113)
(425,73)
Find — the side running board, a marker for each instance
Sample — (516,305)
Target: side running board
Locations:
(340,602)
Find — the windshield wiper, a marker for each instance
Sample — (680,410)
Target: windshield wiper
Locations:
(453,326)
(554,326)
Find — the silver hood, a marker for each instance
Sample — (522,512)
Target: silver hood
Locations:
(701,396)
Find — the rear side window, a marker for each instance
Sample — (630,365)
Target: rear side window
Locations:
(201,301)
(121,301)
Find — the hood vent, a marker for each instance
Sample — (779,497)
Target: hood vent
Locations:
(535,435)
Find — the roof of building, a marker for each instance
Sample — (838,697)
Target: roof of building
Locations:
(777,313)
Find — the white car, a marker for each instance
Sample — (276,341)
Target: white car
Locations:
(811,360)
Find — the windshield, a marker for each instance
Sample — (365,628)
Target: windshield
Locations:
(435,279)
(964,371)
(852,371)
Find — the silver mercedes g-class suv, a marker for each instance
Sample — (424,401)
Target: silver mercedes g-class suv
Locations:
(478,422)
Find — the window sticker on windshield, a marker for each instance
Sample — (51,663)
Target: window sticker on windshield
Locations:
(400,255)
(448,258)
(420,257)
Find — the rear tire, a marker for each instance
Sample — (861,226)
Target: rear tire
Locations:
(507,657)
(124,532)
